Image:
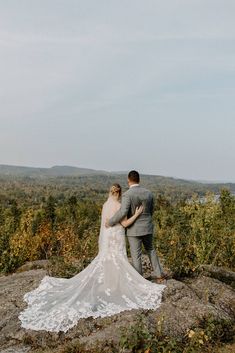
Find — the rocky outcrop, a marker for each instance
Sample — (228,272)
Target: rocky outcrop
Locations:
(34,265)
(220,273)
(184,304)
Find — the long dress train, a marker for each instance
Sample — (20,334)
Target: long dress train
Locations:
(107,286)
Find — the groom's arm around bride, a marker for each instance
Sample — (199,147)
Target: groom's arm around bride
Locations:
(141,231)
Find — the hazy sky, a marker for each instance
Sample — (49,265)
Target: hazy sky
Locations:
(118,85)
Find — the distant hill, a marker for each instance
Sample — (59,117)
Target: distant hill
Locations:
(101,180)
(54,171)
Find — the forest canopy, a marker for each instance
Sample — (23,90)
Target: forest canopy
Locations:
(58,219)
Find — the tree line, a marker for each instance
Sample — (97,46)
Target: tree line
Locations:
(62,221)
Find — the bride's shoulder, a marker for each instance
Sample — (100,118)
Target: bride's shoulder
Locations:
(109,202)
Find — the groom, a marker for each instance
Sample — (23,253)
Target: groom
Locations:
(141,231)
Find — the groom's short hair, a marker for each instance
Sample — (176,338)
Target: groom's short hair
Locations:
(134,176)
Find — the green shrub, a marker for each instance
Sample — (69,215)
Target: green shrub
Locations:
(206,337)
(196,233)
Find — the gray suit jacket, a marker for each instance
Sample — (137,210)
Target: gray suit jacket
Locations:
(131,199)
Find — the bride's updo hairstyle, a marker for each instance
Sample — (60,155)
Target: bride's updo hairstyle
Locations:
(115,190)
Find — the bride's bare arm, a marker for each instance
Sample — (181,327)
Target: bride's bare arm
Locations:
(127,222)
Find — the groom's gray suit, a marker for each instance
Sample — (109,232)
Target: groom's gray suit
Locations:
(141,231)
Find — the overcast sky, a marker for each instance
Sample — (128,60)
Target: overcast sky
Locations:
(117,85)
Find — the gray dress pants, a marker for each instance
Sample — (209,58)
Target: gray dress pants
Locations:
(136,253)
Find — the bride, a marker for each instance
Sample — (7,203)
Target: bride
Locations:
(107,286)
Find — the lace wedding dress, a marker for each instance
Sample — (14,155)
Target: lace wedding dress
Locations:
(106,287)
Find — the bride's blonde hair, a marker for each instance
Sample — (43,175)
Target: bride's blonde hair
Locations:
(115,190)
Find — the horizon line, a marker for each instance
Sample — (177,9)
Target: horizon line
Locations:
(203,181)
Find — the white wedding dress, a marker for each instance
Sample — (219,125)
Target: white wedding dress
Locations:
(107,286)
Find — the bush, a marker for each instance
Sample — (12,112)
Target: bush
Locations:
(196,233)
(204,338)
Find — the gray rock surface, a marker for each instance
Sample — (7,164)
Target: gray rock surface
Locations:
(184,303)
(34,265)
